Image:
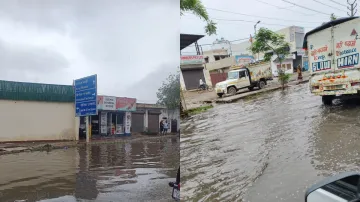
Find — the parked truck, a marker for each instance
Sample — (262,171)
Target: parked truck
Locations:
(333,52)
(249,76)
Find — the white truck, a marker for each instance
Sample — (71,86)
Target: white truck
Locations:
(333,52)
(249,76)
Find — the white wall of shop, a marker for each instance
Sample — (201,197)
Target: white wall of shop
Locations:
(36,121)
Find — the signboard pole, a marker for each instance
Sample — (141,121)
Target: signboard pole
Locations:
(87,129)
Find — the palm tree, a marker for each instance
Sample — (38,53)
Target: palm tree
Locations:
(198,9)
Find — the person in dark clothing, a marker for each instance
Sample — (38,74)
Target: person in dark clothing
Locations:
(161,126)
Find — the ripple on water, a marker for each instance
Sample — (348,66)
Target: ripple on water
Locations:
(269,148)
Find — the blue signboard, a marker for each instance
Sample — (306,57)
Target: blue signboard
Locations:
(86,96)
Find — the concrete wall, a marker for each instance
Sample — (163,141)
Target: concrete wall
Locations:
(31,121)
(219,64)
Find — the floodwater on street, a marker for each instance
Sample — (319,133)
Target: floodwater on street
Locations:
(132,171)
(267,148)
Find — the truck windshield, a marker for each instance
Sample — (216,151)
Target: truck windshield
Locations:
(233,75)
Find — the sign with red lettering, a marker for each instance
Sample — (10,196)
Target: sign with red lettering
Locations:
(191,59)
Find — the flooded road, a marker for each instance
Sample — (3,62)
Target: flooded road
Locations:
(268,148)
(134,171)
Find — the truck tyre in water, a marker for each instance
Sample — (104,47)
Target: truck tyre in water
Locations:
(261,84)
(232,90)
(220,95)
(327,99)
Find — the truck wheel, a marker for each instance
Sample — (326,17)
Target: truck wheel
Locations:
(232,90)
(327,99)
(251,88)
(261,84)
(220,95)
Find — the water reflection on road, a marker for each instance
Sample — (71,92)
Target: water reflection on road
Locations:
(270,148)
(136,171)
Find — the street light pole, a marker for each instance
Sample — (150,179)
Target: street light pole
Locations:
(255,34)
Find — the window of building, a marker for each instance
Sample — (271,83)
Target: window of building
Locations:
(288,66)
(299,39)
(206,60)
(216,57)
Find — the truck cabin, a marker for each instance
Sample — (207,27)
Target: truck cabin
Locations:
(237,74)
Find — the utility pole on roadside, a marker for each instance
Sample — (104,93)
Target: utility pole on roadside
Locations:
(352,8)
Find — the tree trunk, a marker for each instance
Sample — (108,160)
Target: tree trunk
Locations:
(282,82)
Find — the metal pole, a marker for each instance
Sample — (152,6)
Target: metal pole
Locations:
(87,126)
(255,36)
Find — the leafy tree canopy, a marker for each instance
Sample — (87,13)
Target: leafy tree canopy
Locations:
(269,42)
(169,93)
(198,9)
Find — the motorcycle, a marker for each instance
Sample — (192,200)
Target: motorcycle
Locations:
(176,187)
(344,187)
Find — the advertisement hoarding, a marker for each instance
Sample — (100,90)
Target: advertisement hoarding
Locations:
(125,104)
(106,103)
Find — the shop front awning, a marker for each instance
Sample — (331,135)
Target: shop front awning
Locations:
(188,39)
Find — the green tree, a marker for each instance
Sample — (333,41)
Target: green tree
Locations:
(198,9)
(169,93)
(333,17)
(271,43)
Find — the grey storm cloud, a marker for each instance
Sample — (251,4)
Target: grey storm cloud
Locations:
(29,58)
(121,41)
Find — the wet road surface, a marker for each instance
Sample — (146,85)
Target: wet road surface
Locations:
(268,148)
(136,171)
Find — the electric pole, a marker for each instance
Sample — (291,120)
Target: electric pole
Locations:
(352,8)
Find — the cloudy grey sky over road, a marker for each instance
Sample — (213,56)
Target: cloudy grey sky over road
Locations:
(132,45)
(236,18)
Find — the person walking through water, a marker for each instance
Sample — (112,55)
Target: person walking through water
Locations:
(166,126)
(161,126)
(299,73)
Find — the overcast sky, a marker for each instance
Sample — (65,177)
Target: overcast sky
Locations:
(131,45)
(231,26)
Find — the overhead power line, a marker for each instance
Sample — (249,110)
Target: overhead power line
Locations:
(304,7)
(338,3)
(209,44)
(259,16)
(282,8)
(328,6)
(237,20)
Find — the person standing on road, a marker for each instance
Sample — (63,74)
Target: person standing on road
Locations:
(161,126)
(299,73)
(201,84)
(166,126)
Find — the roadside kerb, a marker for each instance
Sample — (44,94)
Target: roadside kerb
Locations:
(237,97)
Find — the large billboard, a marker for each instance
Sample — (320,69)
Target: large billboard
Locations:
(244,59)
(112,103)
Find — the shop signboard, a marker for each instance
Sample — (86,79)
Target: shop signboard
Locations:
(127,122)
(244,59)
(106,103)
(103,122)
(86,96)
(191,59)
(125,104)
(119,129)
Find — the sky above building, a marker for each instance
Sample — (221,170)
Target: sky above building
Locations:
(236,18)
(133,46)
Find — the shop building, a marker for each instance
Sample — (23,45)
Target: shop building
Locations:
(114,117)
(147,118)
